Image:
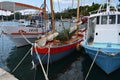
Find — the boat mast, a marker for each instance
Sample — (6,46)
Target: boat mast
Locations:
(78,14)
(45,16)
(52,14)
(108,5)
(78,10)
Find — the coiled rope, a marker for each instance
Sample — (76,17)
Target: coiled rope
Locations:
(92,64)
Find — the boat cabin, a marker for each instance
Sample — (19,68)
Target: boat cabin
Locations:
(104,27)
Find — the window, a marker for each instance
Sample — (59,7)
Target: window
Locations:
(118,19)
(97,22)
(104,20)
(112,19)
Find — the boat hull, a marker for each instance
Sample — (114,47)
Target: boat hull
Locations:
(106,62)
(18,37)
(56,52)
(19,42)
(53,57)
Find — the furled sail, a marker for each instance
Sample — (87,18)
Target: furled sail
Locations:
(73,28)
(41,42)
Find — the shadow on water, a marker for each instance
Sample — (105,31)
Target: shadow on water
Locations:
(96,72)
(24,71)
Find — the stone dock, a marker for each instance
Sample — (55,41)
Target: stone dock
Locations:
(4,75)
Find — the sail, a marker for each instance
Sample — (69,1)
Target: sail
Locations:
(41,42)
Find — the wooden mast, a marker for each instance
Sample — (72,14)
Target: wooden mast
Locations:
(52,14)
(44,12)
(78,14)
(78,10)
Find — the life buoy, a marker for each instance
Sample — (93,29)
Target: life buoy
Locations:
(22,31)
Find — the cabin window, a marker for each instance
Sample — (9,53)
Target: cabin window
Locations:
(112,19)
(118,19)
(98,18)
(104,20)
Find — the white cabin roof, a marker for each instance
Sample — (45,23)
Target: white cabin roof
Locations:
(105,13)
(15,6)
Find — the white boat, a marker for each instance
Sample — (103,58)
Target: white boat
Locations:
(22,33)
(102,39)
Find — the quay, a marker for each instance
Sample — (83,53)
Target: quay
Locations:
(4,75)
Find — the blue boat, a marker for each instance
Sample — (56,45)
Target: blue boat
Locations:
(102,38)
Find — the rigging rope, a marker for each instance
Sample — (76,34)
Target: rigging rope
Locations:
(46,77)
(92,64)
(20,61)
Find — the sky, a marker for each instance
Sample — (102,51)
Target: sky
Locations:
(63,3)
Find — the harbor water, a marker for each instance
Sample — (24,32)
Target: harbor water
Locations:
(10,56)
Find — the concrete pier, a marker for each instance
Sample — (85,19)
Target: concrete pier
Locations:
(4,75)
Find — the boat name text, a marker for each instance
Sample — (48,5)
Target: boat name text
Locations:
(33,30)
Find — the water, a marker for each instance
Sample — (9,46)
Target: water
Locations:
(10,56)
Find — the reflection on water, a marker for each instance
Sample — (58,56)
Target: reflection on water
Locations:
(5,47)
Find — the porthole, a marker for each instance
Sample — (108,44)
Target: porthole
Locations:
(96,33)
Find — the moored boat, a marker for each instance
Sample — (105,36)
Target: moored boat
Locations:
(102,39)
(21,33)
(50,48)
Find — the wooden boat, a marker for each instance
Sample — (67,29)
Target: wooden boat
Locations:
(102,39)
(22,31)
(52,49)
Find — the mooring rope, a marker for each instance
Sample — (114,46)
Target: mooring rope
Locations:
(46,77)
(35,73)
(48,59)
(21,61)
(33,64)
(92,64)
(110,54)
(26,38)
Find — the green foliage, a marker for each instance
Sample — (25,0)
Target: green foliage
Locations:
(63,35)
(84,10)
